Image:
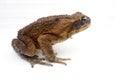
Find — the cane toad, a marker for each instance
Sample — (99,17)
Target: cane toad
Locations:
(44,33)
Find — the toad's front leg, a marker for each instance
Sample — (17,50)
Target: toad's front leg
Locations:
(45,42)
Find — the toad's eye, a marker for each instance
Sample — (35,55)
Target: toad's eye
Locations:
(84,20)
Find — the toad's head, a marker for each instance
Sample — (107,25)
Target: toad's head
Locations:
(80,23)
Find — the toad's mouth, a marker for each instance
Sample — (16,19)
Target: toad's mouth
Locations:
(84,27)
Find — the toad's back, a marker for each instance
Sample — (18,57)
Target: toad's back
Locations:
(42,25)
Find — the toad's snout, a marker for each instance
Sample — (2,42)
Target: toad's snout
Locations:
(85,20)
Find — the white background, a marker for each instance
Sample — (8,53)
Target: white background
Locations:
(95,52)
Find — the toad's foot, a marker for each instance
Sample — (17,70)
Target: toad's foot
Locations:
(35,60)
(60,60)
(38,61)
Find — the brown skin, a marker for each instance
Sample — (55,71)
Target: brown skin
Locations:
(45,32)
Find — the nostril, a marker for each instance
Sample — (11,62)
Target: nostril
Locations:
(89,20)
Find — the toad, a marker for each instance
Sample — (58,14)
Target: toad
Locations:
(45,32)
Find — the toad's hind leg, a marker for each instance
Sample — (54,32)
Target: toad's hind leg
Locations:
(24,45)
(26,49)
